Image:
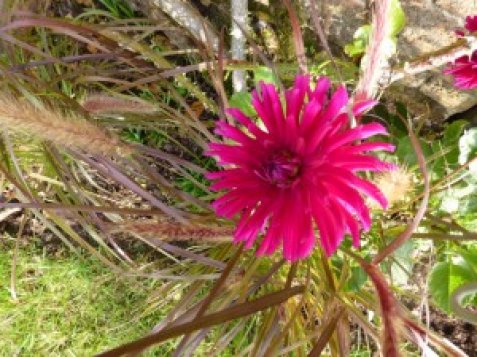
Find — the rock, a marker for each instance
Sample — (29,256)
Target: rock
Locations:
(430,26)
(179,13)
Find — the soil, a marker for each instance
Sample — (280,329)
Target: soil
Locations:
(462,334)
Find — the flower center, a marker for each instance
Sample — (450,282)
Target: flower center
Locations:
(281,169)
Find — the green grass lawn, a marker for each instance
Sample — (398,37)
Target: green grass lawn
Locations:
(69,306)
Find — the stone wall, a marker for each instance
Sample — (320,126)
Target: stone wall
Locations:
(430,26)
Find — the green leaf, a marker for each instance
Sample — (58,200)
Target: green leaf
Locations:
(357,279)
(446,150)
(397,18)
(445,277)
(405,151)
(360,41)
(397,21)
(264,74)
(446,158)
(454,131)
(243,101)
(403,263)
(469,255)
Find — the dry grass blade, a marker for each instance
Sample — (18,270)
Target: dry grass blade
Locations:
(80,208)
(85,34)
(212,294)
(390,313)
(327,330)
(231,313)
(66,59)
(439,236)
(315,19)
(109,169)
(297,36)
(160,62)
(68,131)
(276,341)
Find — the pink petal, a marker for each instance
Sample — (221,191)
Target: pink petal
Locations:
(360,162)
(253,223)
(337,104)
(298,237)
(327,227)
(363,186)
(321,89)
(364,147)
(246,122)
(349,199)
(360,132)
(309,116)
(231,132)
(363,106)
(263,111)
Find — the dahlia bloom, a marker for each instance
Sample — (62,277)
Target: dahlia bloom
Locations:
(464,69)
(470,25)
(297,169)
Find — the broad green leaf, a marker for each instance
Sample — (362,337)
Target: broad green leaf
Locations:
(454,131)
(360,41)
(397,18)
(469,254)
(448,148)
(243,101)
(447,157)
(357,279)
(405,151)
(445,277)
(402,263)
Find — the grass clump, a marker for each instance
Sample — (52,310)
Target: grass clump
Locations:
(69,305)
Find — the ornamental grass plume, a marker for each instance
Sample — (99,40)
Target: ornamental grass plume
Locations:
(70,131)
(464,68)
(297,170)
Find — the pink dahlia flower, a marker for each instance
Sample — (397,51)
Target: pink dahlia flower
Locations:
(470,26)
(471,23)
(464,71)
(297,170)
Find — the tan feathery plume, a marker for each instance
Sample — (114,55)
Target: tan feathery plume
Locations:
(105,104)
(67,130)
(169,231)
(396,185)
